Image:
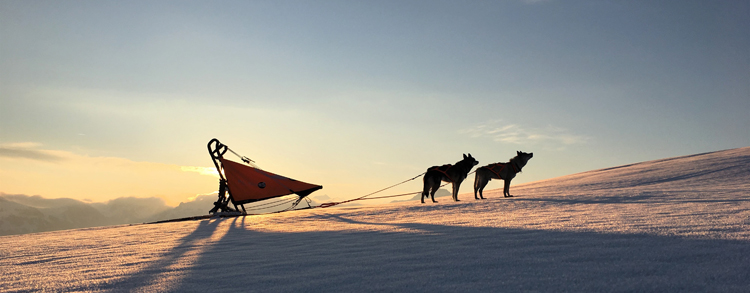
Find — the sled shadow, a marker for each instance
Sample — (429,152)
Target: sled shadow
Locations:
(156,273)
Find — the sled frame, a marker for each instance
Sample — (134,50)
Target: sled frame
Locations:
(217,150)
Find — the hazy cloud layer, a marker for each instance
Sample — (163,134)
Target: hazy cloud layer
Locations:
(550,137)
(80,176)
(28,151)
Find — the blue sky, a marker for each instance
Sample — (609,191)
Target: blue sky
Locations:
(357,95)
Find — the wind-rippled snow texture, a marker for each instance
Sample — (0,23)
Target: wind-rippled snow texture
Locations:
(679,224)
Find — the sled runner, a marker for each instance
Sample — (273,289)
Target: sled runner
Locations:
(242,184)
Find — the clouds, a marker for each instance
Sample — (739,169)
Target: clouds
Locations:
(27,151)
(550,137)
(211,171)
(29,169)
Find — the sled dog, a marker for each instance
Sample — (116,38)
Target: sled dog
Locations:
(454,174)
(506,171)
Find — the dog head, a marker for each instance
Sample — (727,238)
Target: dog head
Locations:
(471,159)
(524,156)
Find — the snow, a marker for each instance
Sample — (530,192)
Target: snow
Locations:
(679,224)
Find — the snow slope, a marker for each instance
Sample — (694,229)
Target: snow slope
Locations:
(680,224)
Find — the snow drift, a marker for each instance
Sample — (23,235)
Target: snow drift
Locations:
(680,224)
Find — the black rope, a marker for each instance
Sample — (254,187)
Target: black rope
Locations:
(273,206)
(281,204)
(394,185)
(403,194)
(330,204)
(273,203)
(294,205)
(243,158)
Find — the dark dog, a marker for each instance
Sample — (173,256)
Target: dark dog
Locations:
(506,171)
(449,173)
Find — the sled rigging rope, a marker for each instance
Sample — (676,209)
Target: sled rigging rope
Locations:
(275,203)
(293,201)
(366,197)
(330,204)
(243,158)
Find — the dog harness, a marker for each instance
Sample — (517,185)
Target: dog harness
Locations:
(445,172)
(491,167)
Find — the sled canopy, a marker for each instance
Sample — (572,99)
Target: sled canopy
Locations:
(246,183)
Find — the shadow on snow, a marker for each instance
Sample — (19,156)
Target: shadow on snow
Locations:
(447,258)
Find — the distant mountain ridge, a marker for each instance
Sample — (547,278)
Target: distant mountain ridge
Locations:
(18,218)
(21,214)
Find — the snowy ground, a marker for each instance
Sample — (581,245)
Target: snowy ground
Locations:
(680,224)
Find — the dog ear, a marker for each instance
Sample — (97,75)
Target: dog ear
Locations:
(464,156)
(518,153)
(470,156)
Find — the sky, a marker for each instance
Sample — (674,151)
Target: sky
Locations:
(108,99)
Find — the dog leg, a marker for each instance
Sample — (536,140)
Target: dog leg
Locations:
(429,187)
(432,193)
(476,184)
(435,188)
(481,188)
(506,189)
(479,184)
(456,186)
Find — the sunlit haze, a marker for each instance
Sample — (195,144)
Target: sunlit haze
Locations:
(107,99)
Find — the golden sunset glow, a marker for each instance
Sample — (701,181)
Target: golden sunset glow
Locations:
(26,168)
